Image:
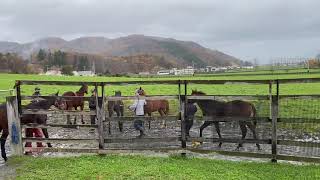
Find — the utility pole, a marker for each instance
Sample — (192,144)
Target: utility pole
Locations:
(93,67)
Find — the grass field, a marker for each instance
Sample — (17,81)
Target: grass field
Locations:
(292,108)
(137,167)
(7,82)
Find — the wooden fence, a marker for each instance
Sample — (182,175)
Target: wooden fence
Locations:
(15,111)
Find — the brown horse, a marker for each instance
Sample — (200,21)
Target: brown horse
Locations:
(70,103)
(161,105)
(235,108)
(4,128)
(25,119)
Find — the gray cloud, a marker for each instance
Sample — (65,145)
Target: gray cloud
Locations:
(242,28)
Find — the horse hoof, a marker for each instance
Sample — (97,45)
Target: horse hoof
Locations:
(5,159)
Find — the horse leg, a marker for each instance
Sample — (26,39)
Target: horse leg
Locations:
(164,124)
(121,114)
(119,122)
(68,117)
(243,129)
(109,122)
(252,127)
(4,136)
(149,122)
(204,125)
(216,124)
(75,117)
(81,108)
(46,135)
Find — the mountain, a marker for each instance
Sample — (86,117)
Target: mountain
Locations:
(178,52)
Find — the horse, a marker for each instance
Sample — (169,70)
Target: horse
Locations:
(161,105)
(70,103)
(236,108)
(25,119)
(118,107)
(4,128)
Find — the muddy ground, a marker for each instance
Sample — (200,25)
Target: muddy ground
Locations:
(228,130)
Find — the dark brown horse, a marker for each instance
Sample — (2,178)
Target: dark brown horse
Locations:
(4,128)
(235,108)
(118,107)
(161,105)
(25,119)
(71,103)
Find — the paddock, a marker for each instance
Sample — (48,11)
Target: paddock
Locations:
(287,125)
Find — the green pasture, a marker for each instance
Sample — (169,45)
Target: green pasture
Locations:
(138,167)
(7,82)
(307,108)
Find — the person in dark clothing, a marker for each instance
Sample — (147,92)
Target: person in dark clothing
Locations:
(191,110)
(93,106)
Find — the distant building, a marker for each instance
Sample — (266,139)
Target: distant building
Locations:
(54,72)
(144,73)
(247,67)
(84,73)
(175,71)
(163,72)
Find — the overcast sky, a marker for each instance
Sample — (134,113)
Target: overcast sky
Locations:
(246,29)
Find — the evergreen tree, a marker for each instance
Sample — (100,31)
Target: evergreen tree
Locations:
(83,63)
(41,55)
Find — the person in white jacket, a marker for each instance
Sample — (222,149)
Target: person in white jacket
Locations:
(138,108)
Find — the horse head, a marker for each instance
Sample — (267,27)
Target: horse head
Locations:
(59,102)
(195,93)
(117,93)
(84,88)
(141,92)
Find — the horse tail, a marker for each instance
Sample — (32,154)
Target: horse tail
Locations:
(254,114)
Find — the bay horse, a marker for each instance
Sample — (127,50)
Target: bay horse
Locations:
(161,105)
(70,103)
(118,107)
(25,119)
(236,108)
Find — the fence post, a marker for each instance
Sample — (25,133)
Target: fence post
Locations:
(183,113)
(100,117)
(275,114)
(14,126)
(270,98)
(18,96)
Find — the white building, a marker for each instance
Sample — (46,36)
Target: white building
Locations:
(83,73)
(54,72)
(144,73)
(163,72)
(247,67)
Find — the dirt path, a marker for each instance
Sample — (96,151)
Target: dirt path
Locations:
(7,171)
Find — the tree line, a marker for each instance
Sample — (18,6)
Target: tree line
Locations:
(60,59)
(12,63)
